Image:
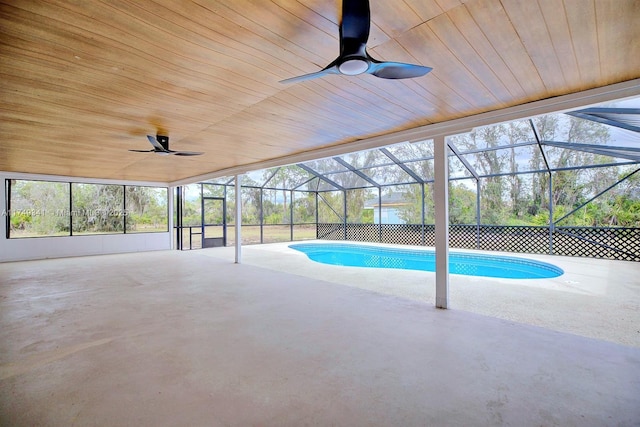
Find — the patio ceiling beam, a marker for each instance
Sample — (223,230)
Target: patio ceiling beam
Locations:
(402,166)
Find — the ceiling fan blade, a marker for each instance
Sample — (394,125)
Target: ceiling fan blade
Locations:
(155,143)
(397,70)
(185,153)
(355,24)
(331,69)
(161,147)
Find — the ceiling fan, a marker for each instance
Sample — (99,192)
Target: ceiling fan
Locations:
(353,58)
(161,146)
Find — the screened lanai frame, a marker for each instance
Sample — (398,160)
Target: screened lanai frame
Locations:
(408,164)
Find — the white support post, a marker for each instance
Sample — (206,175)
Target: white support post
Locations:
(441,196)
(238,231)
(170,207)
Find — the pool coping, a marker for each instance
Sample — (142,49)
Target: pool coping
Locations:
(455,257)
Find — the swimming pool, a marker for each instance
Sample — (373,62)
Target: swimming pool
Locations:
(469,264)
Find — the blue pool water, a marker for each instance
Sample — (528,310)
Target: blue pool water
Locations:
(416,259)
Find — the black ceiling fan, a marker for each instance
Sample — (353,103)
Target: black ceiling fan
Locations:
(353,58)
(161,146)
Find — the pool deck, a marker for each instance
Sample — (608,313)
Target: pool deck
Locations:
(594,298)
(189,338)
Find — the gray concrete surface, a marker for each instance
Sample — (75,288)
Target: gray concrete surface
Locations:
(594,298)
(191,339)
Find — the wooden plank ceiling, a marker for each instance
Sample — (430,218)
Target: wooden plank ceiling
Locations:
(82,82)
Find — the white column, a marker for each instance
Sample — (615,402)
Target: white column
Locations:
(170,207)
(238,220)
(441,195)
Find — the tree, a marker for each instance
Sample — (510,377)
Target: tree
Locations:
(462,202)
(251,205)
(304,207)
(146,208)
(330,206)
(411,211)
(489,163)
(285,179)
(39,208)
(97,208)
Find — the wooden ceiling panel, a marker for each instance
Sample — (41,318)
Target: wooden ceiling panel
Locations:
(82,82)
(556,22)
(532,31)
(473,34)
(469,92)
(437,102)
(469,59)
(581,20)
(394,18)
(447,5)
(426,10)
(304,47)
(499,30)
(616,27)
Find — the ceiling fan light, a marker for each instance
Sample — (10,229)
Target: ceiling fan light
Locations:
(353,67)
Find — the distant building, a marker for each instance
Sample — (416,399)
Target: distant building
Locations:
(389,208)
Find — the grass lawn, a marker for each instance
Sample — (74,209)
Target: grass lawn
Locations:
(251,234)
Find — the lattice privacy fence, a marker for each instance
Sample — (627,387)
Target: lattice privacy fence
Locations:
(608,243)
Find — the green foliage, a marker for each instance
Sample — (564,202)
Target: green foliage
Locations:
(411,211)
(97,208)
(304,210)
(42,208)
(39,208)
(541,219)
(21,220)
(367,216)
(146,209)
(355,206)
(330,207)
(462,204)
(274,218)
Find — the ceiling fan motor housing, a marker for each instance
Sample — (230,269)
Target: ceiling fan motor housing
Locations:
(163,140)
(354,66)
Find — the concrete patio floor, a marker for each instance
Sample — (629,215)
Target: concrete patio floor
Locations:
(190,338)
(594,297)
